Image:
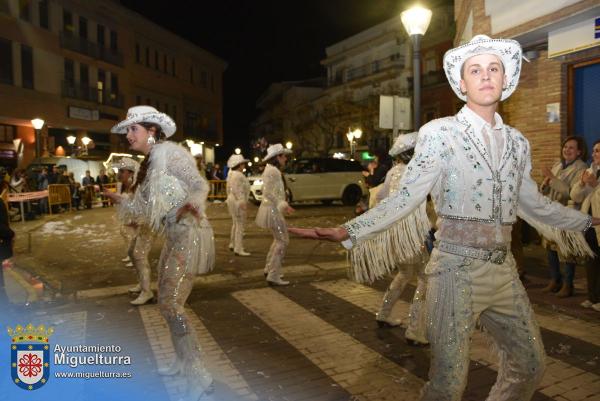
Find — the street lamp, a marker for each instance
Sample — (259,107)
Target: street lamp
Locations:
(289,145)
(238,151)
(37,123)
(352,135)
(256,159)
(86,141)
(416,21)
(71,141)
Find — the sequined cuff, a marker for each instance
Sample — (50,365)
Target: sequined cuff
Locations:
(588,224)
(351,234)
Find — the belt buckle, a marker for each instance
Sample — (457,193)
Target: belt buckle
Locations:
(497,255)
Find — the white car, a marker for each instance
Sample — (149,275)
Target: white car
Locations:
(319,179)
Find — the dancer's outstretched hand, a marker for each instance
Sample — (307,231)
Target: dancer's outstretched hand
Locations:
(336,234)
(113,196)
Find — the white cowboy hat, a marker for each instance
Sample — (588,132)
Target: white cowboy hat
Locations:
(145,114)
(508,51)
(276,150)
(236,160)
(403,143)
(127,163)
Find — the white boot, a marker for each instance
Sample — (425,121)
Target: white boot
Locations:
(143,298)
(175,368)
(126,259)
(242,253)
(137,288)
(129,264)
(274,279)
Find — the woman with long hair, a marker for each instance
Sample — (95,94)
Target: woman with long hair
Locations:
(169,197)
(271,210)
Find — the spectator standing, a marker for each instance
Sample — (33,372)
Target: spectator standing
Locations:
(101,180)
(587,191)
(88,185)
(557,185)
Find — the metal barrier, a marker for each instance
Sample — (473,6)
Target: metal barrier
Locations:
(218,189)
(58,194)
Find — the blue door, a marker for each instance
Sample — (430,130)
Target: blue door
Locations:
(586,107)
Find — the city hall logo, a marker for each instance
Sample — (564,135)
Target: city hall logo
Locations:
(30,355)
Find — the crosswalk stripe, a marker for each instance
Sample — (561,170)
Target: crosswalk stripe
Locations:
(215,359)
(355,367)
(558,373)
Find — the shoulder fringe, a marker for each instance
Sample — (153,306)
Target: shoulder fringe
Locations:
(374,258)
(569,243)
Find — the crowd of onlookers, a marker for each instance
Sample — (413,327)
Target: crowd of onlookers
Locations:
(83,194)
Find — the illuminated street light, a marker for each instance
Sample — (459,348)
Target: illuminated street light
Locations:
(256,159)
(86,141)
(416,21)
(71,141)
(249,164)
(289,145)
(238,151)
(37,123)
(352,135)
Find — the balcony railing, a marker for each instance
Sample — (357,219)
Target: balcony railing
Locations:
(79,91)
(74,90)
(393,62)
(84,46)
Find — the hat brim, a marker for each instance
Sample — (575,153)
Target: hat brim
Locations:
(165,122)
(280,152)
(238,163)
(507,50)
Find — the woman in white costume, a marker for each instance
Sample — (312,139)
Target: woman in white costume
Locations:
(238,190)
(139,236)
(271,210)
(170,199)
(396,237)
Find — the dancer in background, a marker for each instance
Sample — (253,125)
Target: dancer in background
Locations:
(271,210)
(169,197)
(409,229)
(478,171)
(238,190)
(138,234)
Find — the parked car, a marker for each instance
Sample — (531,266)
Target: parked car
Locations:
(319,179)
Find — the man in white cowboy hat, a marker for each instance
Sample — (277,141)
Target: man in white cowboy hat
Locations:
(478,171)
(271,211)
(238,190)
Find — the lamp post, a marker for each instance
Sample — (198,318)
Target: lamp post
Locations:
(352,135)
(86,141)
(71,140)
(37,123)
(238,151)
(289,145)
(416,21)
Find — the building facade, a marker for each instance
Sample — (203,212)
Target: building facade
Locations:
(559,86)
(79,65)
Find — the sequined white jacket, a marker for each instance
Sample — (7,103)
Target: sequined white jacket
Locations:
(238,190)
(452,164)
(172,180)
(273,204)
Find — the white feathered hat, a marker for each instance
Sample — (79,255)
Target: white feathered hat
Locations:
(146,114)
(127,163)
(236,160)
(509,51)
(403,143)
(276,150)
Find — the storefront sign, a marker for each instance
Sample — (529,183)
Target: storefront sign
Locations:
(83,114)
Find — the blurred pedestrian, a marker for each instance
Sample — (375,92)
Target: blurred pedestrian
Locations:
(271,211)
(238,191)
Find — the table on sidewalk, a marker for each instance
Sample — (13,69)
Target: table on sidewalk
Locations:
(26,196)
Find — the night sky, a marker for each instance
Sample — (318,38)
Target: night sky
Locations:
(265,41)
